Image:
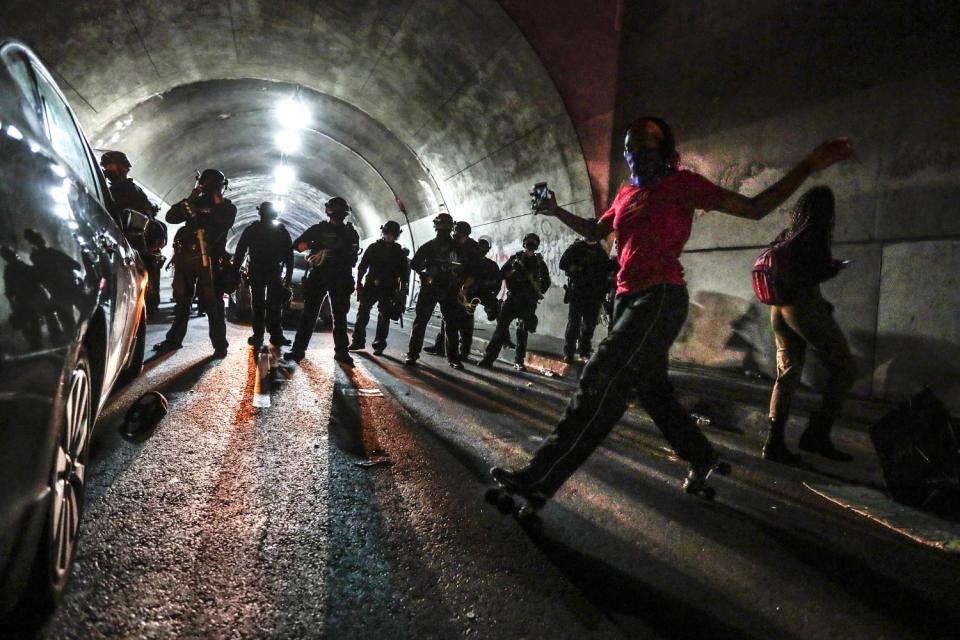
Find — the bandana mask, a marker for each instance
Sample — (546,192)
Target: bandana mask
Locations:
(646,167)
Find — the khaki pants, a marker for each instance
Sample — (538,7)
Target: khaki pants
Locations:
(795,327)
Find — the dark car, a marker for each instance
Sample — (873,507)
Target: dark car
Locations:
(72,326)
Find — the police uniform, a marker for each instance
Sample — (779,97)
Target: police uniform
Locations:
(486,288)
(215,217)
(271,262)
(588,268)
(127,195)
(527,279)
(387,271)
(443,265)
(333,275)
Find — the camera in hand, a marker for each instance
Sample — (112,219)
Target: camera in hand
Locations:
(539,196)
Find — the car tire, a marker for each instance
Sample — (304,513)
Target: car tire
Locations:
(57,547)
(135,367)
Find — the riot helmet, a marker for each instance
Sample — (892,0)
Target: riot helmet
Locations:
(392,228)
(337,208)
(212,181)
(443,222)
(115,157)
(115,165)
(462,228)
(268,212)
(484,245)
(531,242)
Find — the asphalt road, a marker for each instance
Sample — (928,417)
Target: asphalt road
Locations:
(353,507)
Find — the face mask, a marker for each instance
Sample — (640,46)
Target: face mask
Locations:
(646,167)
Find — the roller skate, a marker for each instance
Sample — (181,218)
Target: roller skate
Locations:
(696,480)
(510,496)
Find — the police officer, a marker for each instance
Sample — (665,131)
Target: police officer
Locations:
(486,287)
(127,195)
(387,270)
(199,247)
(333,245)
(446,267)
(269,272)
(527,279)
(588,268)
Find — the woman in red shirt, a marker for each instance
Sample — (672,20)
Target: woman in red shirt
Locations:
(651,216)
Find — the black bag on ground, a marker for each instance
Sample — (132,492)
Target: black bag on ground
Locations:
(919,452)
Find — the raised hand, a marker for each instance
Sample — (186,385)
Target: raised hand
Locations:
(545,206)
(829,153)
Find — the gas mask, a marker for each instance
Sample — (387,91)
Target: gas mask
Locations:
(647,166)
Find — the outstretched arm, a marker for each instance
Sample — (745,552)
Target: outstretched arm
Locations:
(757,207)
(588,228)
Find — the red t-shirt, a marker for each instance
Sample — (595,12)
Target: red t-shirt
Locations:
(653,225)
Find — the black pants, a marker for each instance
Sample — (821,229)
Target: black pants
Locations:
(266,295)
(633,356)
(318,285)
(582,316)
(385,299)
(465,338)
(454,316)
(513,308)
(190,277)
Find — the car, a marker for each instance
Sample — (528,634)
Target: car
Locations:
(240,304)
(72,327)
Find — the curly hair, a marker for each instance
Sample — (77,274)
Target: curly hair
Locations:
(814,208)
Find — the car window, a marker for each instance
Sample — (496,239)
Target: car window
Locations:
(64,134)
(20,72)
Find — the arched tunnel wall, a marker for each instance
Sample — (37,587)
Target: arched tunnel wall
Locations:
(438,103)
(750,87)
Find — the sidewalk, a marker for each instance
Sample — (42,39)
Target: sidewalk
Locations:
(731,407)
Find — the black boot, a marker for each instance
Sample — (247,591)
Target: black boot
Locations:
(816,438)
(775,449)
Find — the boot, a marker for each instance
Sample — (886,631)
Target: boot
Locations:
(775,448)
(816,438)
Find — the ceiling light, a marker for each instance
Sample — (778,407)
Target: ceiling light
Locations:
(293,114)
(288,141)
(283,176)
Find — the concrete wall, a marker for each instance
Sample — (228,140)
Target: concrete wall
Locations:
(455,84)
(750,87)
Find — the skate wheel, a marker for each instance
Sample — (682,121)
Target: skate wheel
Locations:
(528,517)
(501,500)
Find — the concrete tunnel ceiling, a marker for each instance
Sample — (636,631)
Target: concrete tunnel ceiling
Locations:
(438,103)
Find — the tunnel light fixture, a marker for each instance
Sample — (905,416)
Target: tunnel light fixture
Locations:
(287,140)
(293,114)
(283,177)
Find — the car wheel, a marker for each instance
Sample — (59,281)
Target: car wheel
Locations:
(57,547)
(135,366)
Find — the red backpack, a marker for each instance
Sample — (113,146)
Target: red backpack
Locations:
(774,276)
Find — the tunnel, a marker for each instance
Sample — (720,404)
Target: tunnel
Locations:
(462,106)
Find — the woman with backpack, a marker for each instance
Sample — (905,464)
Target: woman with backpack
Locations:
(801,317)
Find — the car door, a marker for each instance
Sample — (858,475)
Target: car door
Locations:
(117,259)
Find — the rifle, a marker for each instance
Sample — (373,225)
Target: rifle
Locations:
(200,233)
